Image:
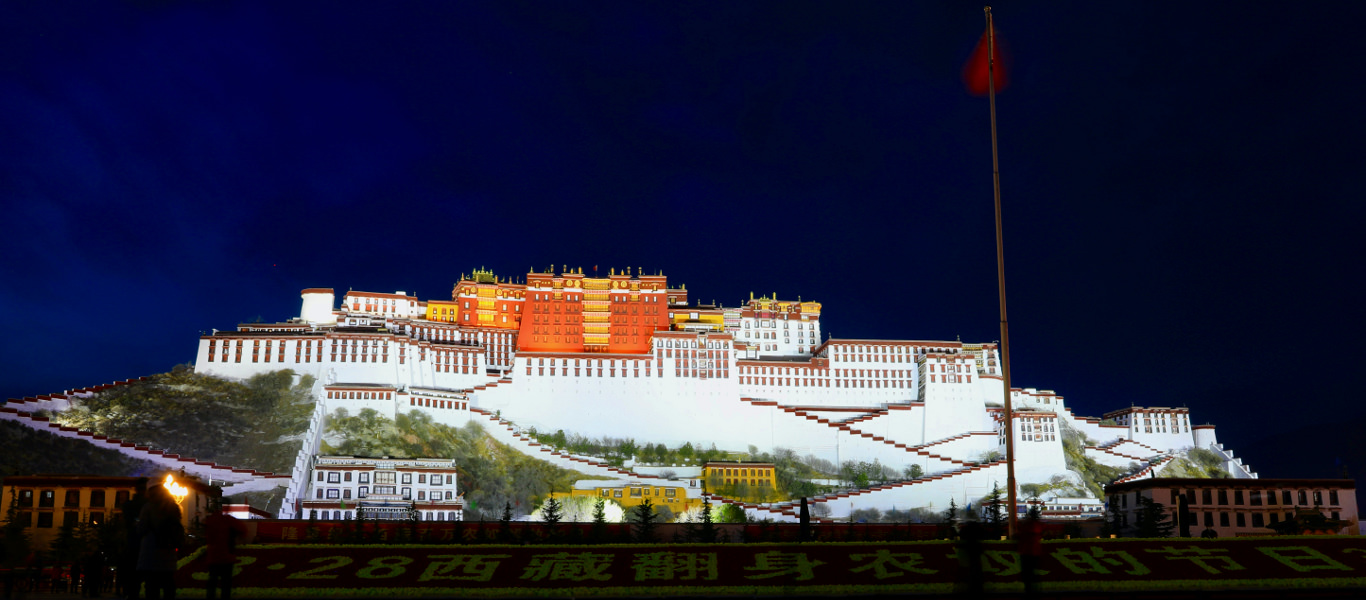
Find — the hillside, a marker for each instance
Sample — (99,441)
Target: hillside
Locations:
(257,423)
(29,452)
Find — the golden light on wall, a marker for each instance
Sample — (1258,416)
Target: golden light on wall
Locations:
(177,491)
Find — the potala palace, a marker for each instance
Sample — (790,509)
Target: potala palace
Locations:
(627,355)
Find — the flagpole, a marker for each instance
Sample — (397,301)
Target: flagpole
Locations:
(1012,519)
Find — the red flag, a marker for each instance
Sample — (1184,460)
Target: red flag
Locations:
(975,72)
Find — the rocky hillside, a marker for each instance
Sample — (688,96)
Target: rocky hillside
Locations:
(257,423)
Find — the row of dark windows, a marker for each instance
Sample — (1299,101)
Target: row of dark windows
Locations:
(1258,498)
(71,499)
(382,477)
(45,518)
(1258,519)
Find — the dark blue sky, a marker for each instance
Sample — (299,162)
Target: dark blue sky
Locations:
(1180,182)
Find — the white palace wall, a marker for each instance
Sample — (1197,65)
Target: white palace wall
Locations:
(899,403)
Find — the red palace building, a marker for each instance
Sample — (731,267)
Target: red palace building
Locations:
(567,312)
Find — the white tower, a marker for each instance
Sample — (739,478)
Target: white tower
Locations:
(317,306)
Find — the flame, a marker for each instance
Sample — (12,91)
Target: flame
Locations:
(177,491)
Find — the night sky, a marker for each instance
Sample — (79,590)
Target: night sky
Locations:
(1180,181)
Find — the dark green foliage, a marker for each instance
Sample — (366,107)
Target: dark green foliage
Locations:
(490,473)
(505,524)
(706,532)
(599,532)
(28,451)
(1152,520)
(995,506)
(16,541)
(1093,474)
(644,517)
(951,514)
(731,513)
(253,424)
(550,514)
(1057,483)
(1114,522)
(1207,461)
(866,515)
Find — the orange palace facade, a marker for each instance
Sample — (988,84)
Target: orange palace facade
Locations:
(566,312)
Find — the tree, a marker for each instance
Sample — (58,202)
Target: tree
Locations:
(627,448)
(913,472)
(550,513)
(1114,525)
(731,513)
(951,514)
(644,517)
(995,506)
(15,530)
(599,520)
(505,524)
(1152,520)
(707,532)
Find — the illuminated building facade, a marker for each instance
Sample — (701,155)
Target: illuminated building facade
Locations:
(569,312)
(1239,507)
(46,503)
(676,495)
(383,488)
(752,481)
(627,354)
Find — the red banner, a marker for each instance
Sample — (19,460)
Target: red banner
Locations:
(1128,565)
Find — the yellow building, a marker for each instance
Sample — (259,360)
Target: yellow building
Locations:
(697,318)
(748,481)
(679,496)
(45,503)
(442,310)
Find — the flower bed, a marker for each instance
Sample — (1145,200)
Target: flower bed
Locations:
(834,569)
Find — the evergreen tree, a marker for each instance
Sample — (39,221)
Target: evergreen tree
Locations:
(644,516)
(505,524)
(64,547)
(1114,525)
(16,542)
(1152,520)
(599,521)
(707,532)
(995,506)
(550,513)
(951,514)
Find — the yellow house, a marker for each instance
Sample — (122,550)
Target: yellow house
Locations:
(46,503)
(679,496)
(441,310)
(748,481)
